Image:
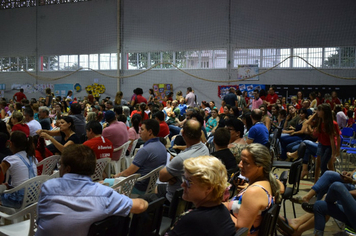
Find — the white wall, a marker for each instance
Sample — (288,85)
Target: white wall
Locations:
(158,25)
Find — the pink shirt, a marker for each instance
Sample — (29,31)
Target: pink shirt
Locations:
(190,99)
(256,103)
(118,135)
(133,135)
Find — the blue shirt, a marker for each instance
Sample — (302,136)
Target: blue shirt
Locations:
(259,133)
(69,205)
(230,99)
(182,108)
(152,155)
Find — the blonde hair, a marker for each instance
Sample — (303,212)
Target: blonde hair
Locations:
(209,171)
(118,98)
(261,157)
(18,116)
(91,116)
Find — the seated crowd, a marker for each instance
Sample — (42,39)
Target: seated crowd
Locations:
(204,145)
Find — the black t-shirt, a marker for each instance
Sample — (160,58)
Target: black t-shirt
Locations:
(204,221)
(227,158)
(73,138)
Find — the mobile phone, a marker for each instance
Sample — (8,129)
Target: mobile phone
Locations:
(237,175)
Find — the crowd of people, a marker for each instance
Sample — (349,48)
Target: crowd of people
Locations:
(206,141)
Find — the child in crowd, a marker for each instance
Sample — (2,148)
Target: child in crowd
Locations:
(21,166)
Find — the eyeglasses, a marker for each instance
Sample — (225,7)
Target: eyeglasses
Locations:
(186,181)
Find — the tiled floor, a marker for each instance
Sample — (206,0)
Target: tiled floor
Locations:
(331,226)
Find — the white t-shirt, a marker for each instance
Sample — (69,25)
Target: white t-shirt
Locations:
(18,170)
(34,125)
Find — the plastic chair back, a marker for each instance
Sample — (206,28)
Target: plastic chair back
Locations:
(148,222)
(269,221)
(110,226)
(126,185)
(133,146)
(32,188)
(99,168)
(121,162)
(48,164)
(153,175)
(26,227)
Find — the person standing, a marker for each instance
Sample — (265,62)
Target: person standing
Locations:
(257,101)
(49,97)
(271,98)
(190,97)
(230,98)
(19,96)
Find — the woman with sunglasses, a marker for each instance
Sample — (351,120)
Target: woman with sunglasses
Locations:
(204,183)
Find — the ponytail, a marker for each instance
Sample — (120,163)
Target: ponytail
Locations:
(30,149)
(142,108)
(275,187)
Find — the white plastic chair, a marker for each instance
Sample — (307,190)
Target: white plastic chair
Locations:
(22,228)
(118,164)
(129,158)
(99,168)
(54,175)
(153,175)
(126,185)
(31,188)
(48,164)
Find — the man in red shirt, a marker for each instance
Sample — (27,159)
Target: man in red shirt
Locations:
(163,127)
(19,96)
(101,146)
(271,98)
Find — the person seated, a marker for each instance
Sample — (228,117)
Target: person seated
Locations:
(258,132)
(4,150)
(266,120)
(212,122)
(237,142)
(248,207)
(70,204)
(21,166)
(223,153)
(152,155)
(17,121)
(296,136)
(66,131)
(321,211)
(191,133)
(43,114)
(204,184)
(101,146)
(163,127)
